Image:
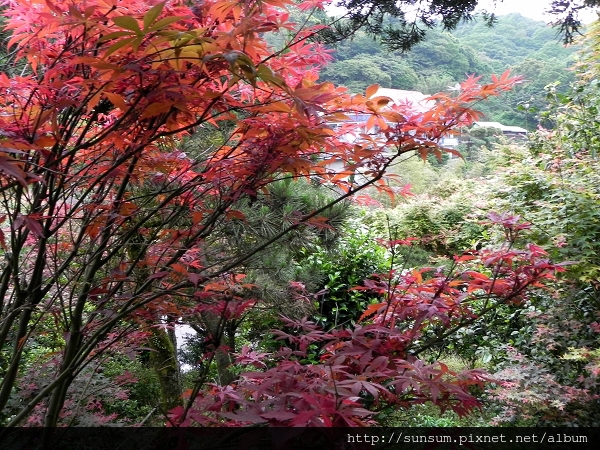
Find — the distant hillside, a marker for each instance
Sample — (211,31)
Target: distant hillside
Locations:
(513,39)
(528,47)
(440,60)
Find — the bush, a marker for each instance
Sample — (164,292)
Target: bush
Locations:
(356,257)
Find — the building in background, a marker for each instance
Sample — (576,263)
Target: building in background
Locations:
(507,130)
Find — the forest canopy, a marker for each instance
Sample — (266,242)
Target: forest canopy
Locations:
(442,59)
(402,24)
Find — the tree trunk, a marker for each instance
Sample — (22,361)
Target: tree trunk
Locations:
(163,359)
(215,326)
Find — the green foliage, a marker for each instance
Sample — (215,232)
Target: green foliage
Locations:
(486,137)
(143,391)
(319,263)
(531,392)
(428,415)
(388,21)
(549,373)
(528,47)
(356,257)
(119,391)
(441,228)
(545,353)
(268,213)
(418,174)
(363,70)
(511,40)
(275,271)
(560,195)
(443,53)
(431,66)
(524,106)
(435,162)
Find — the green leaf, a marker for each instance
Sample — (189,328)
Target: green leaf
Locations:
(266,74)
(127,22)
(153,14)
(114,35)
(116,46)
(135,44)
(162,23)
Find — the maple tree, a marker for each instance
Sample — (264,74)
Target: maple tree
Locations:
(377,363)
(108,227)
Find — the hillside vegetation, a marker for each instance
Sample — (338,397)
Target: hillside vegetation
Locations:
(529,48)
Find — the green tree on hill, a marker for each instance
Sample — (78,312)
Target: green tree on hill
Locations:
(527,46)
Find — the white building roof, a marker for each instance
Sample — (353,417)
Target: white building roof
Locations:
(503,128)
(400,97)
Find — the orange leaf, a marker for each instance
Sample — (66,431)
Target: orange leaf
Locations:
(234,214)
(3,241)
(197,217)
(45,141)
(371,309)
(418,276)
(154,109)
(116,100)
(216,287)
(239,277)
(371,90)
(93,229)
(13,169)
(179,268)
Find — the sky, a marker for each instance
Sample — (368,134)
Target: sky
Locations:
(533,9)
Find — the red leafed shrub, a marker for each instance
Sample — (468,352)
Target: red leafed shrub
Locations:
(376,364)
